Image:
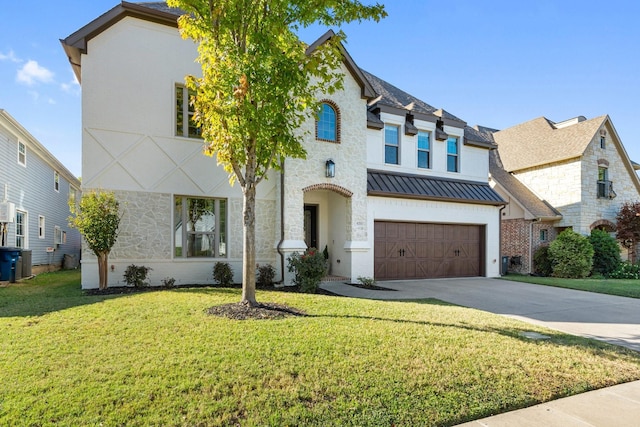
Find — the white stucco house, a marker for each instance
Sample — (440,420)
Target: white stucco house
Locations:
(408,197)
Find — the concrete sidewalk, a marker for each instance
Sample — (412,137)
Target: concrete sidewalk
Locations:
(608,318)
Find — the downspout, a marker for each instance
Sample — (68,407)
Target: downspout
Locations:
(531,244)
(279,247)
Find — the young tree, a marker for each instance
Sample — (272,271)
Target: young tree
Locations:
(259,84)
(628,227)
(97,218)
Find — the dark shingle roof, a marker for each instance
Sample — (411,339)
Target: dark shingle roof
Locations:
(389,184)
(392,96)
(161,6)
(532,203)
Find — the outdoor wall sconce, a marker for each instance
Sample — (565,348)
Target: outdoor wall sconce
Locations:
(330,168)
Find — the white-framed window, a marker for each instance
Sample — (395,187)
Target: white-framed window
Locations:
(41,227)
(22,229)
(424,150)
(185,110)
(22,154)
(59,236)
(392,144)
(56,181)
(544,235)
(453,154)
(200,227)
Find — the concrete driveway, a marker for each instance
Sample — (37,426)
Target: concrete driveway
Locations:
(613,319)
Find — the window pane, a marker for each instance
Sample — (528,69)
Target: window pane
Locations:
(423,140)
(327,123)
(177,227)
(222,249)
(200,244)
(201,214)
(391,135)
(452,163)
(602,174)
(423,159)
(391,155)
(179,112)
(452,145)
(194,129)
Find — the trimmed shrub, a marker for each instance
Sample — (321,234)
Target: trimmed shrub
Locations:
(571,255)
(542,265)
(168,282)
(606,252)
(366,281)
(626,270)
(309,269)
(136,276)
(222,273)
(266,273)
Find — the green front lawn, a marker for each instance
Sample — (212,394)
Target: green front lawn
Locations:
(156,358)
(621,287)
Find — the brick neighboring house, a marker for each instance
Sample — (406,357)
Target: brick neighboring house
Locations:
(574,173)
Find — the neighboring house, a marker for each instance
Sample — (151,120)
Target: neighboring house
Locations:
(35,189)
(574,173)
(394,188)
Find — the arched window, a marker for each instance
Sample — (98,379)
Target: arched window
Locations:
(328,123)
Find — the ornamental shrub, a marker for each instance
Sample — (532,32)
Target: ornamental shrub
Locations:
(136,276)
(542,265)
(571,254)
(606,252)
(222,273)
(266,273)
(626,270)
(309,269)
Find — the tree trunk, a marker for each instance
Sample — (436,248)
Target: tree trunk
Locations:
(103,270)
(249,250)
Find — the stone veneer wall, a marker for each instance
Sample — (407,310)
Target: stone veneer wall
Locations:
(350,158)
(560,184)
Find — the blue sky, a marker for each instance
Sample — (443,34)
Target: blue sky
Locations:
(495,63)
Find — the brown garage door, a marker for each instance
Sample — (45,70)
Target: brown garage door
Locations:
(406,250)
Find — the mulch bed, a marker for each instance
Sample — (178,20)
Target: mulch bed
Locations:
(373,287)
(240,311)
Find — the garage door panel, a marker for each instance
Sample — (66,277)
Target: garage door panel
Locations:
(427,250)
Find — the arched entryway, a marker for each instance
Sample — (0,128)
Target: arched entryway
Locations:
(327,223)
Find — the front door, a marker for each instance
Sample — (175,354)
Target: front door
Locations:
(311,226)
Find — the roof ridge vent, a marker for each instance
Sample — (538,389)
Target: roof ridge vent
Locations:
(569,122)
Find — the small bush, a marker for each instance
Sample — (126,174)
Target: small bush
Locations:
(626,270)
(542,265)
(222,273)
(136,276)
(168,282)
(309,269)
(606,252)
(366,281)
(571,254)
(266,273)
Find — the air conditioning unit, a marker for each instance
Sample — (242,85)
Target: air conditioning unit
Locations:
(7,212)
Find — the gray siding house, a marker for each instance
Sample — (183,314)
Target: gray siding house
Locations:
(35,189)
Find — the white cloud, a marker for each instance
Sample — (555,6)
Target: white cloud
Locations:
(32,73)
(11,56)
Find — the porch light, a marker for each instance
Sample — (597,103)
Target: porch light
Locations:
(330,168)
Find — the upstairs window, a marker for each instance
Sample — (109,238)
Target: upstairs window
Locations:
(453,157)
(185,124)
(392,144)
(328,123)
(605,187)
(56,181)
(22,154)
(424,150)
(603,142)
